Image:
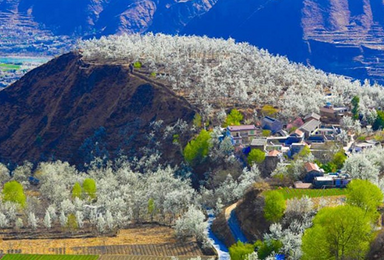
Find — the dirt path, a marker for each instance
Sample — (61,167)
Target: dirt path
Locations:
(229,210)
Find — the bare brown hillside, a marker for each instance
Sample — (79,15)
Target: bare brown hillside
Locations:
(70,110)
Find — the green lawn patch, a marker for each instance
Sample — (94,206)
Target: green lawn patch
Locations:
(290,193)
(50,257)
(6,66)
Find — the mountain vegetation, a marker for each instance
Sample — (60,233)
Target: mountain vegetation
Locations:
(138,123)
(223,73)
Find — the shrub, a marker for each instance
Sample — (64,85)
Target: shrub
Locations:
(137,65)
(240,251)
(72,222)
(266,133)
(197,121)
(269,110)
(234,118)
(176,139)
(266,248)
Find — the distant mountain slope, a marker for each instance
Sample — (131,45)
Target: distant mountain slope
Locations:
(46,27)
(343,37)
(96,17)
(72,111)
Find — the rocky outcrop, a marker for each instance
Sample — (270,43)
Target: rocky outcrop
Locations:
(71,110)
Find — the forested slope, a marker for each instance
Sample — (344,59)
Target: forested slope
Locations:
(219,73)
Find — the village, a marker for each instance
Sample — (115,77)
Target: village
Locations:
(321,134)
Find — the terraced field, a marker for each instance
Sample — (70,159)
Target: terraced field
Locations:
(50,257)
(168,249)
(119,257)
(84,257)
(140,243)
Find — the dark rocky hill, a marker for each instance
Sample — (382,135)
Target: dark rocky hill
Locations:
(343,37)
(70,110)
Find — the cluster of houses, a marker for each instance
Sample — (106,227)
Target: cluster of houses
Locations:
(289,138)
(285,140)
(316,178)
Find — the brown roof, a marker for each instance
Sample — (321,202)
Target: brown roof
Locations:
(312,115)
(235,128)
(327,110)
(273,153)
(311,167)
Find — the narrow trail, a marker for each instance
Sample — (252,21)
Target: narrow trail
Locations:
(163,86)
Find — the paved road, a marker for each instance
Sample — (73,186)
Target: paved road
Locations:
(221,249)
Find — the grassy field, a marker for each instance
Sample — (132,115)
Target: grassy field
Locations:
(6,66)
(312,193)
(50,257)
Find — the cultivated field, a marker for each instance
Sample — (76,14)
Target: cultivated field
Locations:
(49,257)
(116,257)
(132,236)
(131,244)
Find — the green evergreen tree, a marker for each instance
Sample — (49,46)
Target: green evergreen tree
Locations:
(355,107)
(197,149)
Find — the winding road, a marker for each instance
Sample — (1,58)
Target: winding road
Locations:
(234,226)
(221,249)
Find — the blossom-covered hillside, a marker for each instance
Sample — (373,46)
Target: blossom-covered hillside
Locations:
(217,73)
